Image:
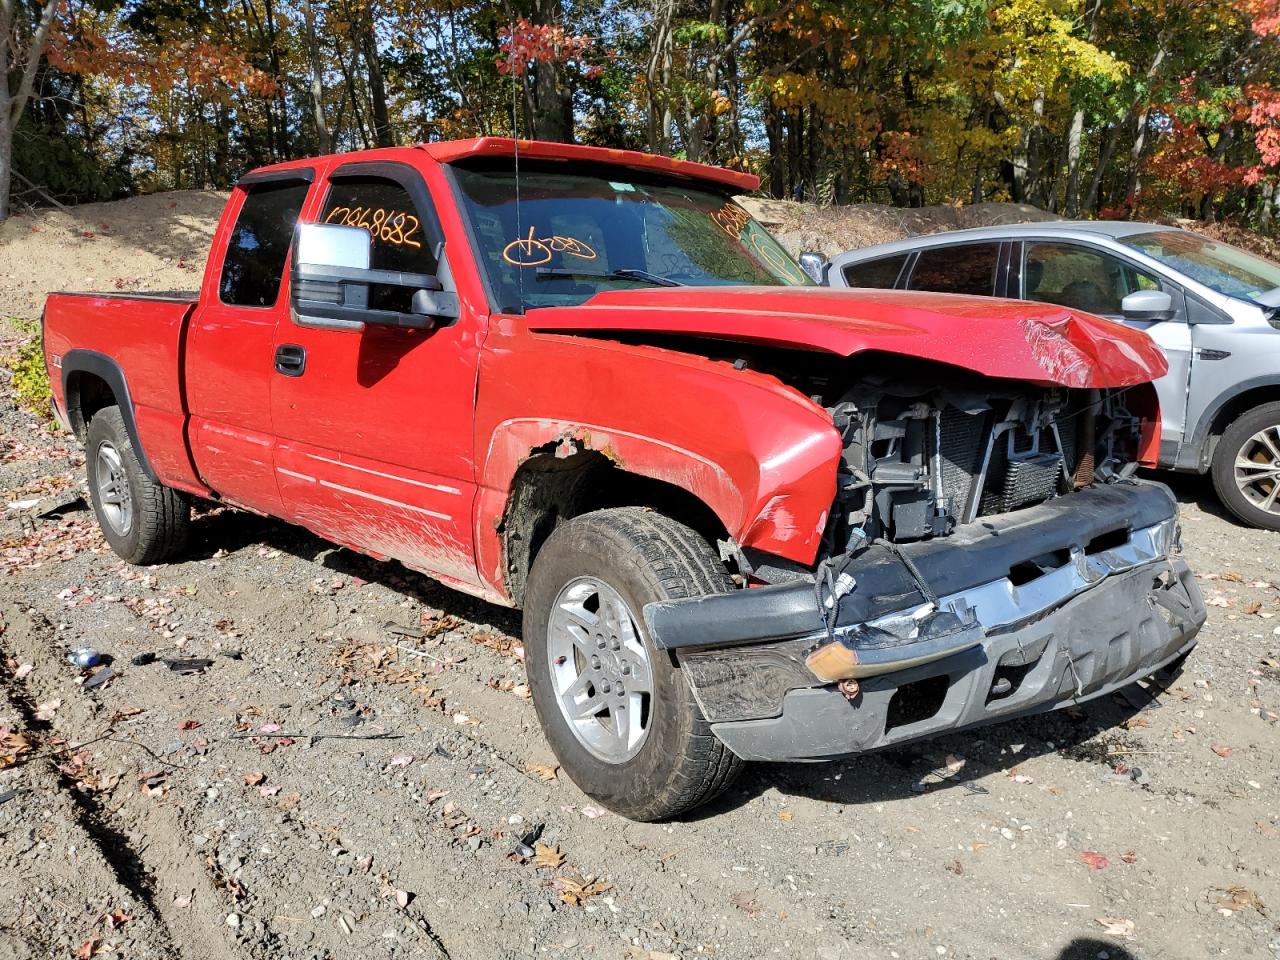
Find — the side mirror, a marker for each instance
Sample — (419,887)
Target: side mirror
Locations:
(1147,305)
(331,279)
(815,265)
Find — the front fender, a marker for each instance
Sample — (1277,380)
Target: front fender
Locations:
(761,456)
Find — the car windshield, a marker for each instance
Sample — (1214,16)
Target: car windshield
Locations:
(1218,266)
(573,235)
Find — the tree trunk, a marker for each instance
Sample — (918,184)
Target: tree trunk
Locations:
(1140,129)
(382,134)
(1071,204)
(23,63)
(323,137)
(1104,160)
(552,117)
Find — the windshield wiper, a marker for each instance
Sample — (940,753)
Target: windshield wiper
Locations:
(625,273)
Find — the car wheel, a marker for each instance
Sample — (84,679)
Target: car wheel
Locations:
(1246,467)
(143,521)
(617,713)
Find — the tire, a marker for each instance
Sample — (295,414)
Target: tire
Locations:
(143,521)
(1251,493)
(666,761)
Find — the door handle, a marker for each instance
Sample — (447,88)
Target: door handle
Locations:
(291,359)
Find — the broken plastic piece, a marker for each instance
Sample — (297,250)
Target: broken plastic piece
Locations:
(191,665)
(99,678)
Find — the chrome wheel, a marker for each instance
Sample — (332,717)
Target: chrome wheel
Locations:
(599,669)
(113,490)
(1257,469)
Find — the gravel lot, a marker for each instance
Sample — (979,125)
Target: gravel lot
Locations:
(351,773)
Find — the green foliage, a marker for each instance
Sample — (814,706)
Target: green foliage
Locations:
(29,376)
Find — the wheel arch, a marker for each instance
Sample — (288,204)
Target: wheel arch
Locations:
(92,381)
(555,485)
(1226,407)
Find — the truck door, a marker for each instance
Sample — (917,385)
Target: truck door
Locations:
(374,442)
(228,363)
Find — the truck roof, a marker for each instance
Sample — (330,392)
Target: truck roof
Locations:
(451,151)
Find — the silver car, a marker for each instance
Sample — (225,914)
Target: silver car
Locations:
(1213,308)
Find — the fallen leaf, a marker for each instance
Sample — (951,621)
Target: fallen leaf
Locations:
(591,812)
(547,856)
(1094,860)
(575,892)
(1117,927)
(189,725)
(1253,608)
(46,710)
(89,948)
(786,816)
(746,902)
(543,771)
(253,778)
(1129,857)
(1221,749)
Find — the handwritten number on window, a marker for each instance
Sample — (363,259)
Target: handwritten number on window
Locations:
(393,227)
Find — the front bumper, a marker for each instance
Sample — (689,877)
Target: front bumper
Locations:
(1038,609)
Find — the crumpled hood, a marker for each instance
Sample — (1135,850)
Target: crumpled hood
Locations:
(1015,340)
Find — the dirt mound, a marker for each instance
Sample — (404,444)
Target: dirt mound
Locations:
(156,242)
(833,230)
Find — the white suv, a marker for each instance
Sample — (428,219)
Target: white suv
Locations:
(1213,308)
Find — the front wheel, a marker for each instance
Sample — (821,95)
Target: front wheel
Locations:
(1246,467)
(143,521)
(620,718)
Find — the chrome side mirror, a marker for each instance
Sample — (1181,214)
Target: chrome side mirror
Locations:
(331,279)
(815,265)
(331,245)
(1148,306)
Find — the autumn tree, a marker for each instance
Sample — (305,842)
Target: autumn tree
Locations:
(24,35)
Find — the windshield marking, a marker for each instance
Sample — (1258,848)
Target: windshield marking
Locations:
(732,219)
(534,251)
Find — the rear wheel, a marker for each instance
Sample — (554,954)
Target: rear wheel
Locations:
(617,713)
(142,520)
(1246,467)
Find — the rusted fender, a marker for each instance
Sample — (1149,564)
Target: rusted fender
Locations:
(761,456)
(1016,340)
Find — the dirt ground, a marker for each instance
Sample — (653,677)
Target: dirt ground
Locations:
(350,774)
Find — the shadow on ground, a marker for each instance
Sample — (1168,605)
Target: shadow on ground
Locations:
(1091,733)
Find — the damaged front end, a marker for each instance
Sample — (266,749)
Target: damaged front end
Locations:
(989,555)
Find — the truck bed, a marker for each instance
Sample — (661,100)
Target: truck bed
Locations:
(141,336)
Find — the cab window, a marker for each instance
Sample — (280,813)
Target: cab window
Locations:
(968,268)
(399,236)
(881,273)
(1080,277)
(254,262)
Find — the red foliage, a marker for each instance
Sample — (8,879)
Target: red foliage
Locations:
(528,43)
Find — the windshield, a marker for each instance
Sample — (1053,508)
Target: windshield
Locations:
(575,235)
(1218,266)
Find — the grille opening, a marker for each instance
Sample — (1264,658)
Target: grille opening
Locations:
(1006,681)
(913,702)
(1037,567)
(1107,541)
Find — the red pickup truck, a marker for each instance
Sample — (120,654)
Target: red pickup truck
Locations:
(746,518)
